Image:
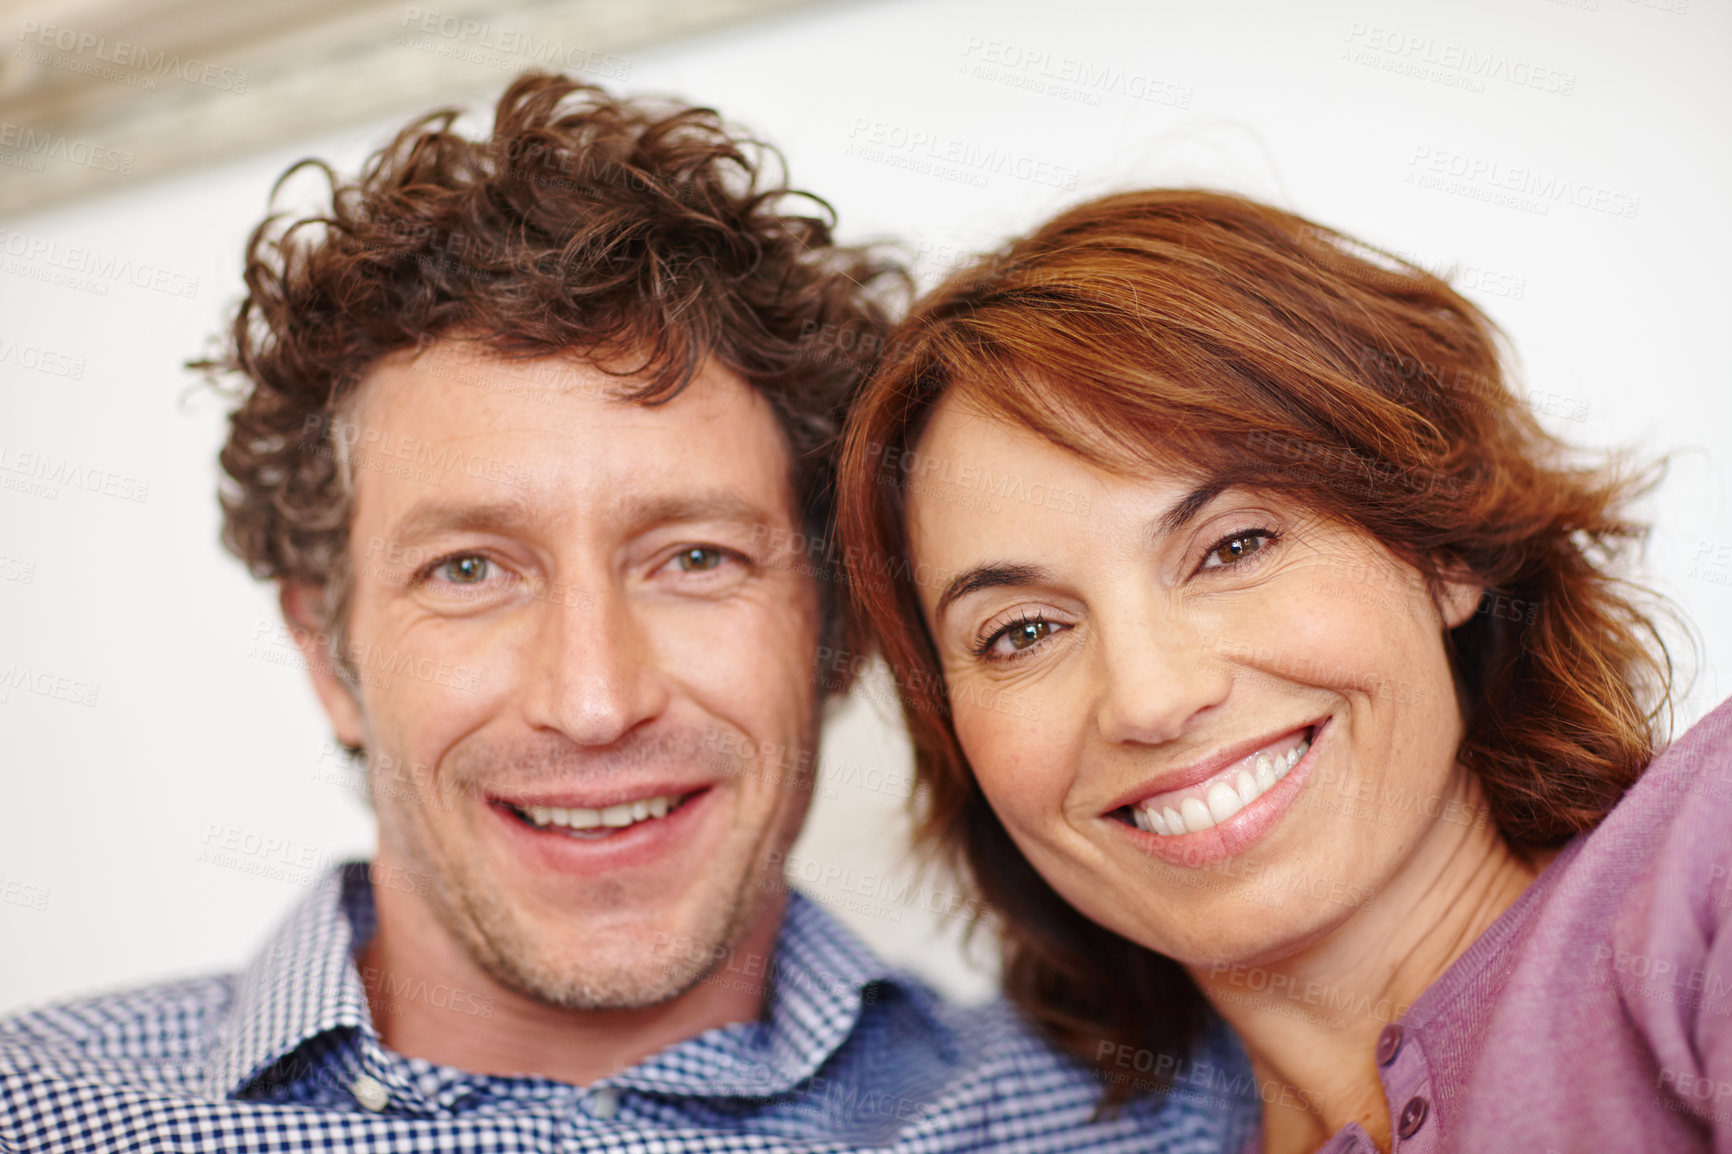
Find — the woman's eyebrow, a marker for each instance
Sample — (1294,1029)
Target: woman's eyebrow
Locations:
(1003,573)
(1187,507)
(987,577)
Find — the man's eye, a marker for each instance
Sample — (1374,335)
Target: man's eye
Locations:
(1236,548)
(699,559)
(465,570)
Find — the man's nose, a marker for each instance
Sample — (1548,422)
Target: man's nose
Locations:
(595,676)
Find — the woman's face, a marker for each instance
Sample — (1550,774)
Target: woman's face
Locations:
(1215,723)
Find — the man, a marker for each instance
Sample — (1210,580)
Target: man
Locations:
(535,431)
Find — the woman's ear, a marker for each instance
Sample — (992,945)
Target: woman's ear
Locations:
(1458,597)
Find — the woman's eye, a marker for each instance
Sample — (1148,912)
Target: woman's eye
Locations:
(698,560)
(465,570)
(1018,638)
(1237,547)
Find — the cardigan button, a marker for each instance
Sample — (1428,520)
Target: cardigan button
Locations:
(1388,1044)
(1413,1116)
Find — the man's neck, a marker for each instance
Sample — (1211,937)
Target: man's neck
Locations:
(430,1000)
(1373,967)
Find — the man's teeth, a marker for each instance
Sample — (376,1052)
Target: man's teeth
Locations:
(613,817)
(1224,798)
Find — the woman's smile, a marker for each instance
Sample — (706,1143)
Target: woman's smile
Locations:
(1221,806)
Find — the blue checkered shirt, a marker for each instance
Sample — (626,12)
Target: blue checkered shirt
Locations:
(848,1056)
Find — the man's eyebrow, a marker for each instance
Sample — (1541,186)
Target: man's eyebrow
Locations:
(641,513)
(987,577)
(430,518)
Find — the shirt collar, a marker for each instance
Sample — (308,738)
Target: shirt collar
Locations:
(822,980)
(305,984)
(302,984)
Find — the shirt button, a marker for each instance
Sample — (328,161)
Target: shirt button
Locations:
(603,1102)
(1412,1116)
(370,1093)
(1388,1045)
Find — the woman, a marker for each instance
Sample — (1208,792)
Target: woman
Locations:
(1261,659)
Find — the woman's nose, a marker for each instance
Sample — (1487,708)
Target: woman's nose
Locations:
(1155,676)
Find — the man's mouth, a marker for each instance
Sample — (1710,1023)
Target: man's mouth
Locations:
(1208,803)
(594,824)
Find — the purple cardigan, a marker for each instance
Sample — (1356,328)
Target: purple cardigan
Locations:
(1596,1013)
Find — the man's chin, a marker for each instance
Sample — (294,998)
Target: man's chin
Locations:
(601,986)
(578,959)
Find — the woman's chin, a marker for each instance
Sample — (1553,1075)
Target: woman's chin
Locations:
(1261,922)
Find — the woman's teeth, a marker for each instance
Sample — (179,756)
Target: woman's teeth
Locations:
(613,817)
(1223,799)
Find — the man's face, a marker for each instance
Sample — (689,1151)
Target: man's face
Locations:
(580,633)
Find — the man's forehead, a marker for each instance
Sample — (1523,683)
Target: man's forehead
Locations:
(502,448)
(451,376)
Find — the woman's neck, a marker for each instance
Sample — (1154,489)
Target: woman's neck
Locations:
(1310,1020)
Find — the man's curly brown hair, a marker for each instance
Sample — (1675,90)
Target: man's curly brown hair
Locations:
(643,236)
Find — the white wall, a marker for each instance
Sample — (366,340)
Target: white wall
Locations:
(199,719)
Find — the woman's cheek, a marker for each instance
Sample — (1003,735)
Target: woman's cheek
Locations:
(1017,756)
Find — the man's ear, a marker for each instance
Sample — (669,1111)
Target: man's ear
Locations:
(306,626)
(1458,598)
